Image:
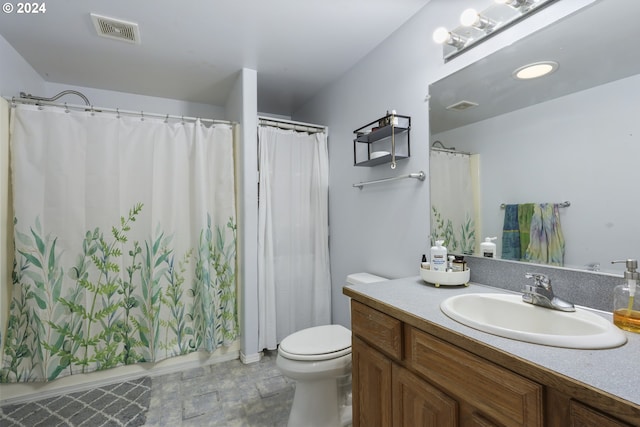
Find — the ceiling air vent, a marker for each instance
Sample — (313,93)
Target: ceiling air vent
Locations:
(462,105)
(116,29)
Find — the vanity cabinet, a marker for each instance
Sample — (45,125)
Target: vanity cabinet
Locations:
(382,141)
(404,375)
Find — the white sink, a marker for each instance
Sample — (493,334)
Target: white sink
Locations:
(508,316)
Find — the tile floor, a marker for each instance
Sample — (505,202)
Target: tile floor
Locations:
(227,394)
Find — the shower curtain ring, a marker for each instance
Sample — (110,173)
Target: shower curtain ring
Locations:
(142,116)
(93,112)
(182,119)
(166,119)
(117,113)
(66,109)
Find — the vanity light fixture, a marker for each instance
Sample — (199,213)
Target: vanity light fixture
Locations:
(535,70)
(477,26)
(471,18)
(517,4)
(442,35)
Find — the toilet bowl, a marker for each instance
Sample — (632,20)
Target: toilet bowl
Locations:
(319,360)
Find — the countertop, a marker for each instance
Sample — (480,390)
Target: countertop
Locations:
(612,371)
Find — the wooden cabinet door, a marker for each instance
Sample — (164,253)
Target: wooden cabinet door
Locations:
(416,403)
(371,386)
(492,393)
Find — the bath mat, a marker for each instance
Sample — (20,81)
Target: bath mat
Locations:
(121,404)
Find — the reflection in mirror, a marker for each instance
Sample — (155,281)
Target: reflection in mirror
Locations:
(573,135)
(454,199)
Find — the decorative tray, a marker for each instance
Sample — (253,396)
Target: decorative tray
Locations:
(445,278)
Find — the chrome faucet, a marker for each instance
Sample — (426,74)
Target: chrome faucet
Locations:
(540,293)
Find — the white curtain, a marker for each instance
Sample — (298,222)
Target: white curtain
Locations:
(125,241)
(294,284)
(453,213)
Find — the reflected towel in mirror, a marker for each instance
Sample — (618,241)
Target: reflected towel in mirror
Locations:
(547,241)
(511,234)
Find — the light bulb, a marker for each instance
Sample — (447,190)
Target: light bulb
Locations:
(469,17)
(535,70)
(441,35)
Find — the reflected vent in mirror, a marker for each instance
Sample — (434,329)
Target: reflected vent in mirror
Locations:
(462,105)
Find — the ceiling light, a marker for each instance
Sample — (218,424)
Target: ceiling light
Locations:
(443,36)
(471,18)
(535,70)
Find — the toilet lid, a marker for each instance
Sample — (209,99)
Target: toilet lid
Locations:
(317,343)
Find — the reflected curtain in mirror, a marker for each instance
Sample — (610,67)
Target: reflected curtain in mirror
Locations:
(454,200)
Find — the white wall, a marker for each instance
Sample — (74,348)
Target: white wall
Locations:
(242,106)
(16,74)
(383,229)
(588,142)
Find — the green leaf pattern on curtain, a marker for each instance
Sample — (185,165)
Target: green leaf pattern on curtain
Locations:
(462,240)
(129,302)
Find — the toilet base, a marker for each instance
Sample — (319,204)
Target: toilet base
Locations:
(308,410)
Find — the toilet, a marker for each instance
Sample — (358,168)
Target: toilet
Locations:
(319,360)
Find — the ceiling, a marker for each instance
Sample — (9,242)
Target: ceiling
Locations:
(192,49)
(593,46)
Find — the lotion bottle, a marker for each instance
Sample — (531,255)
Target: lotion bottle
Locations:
(626,306)
(439,257)
(488,248)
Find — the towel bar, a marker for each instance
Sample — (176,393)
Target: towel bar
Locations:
(561,205)
(417,175)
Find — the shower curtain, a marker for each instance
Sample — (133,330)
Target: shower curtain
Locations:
(294,284)
(453,212)
(125,241)
(6,226)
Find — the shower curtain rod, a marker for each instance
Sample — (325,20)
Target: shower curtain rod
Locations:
(55,97)
(117,111)
(291,125)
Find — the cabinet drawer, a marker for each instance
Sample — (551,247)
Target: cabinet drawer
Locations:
(378,329)
(584,416)
(500,394)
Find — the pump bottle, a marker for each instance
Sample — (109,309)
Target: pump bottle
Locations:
(626,306)
(488,248)
(439,257)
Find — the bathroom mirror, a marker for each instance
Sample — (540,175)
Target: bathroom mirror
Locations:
(573,135)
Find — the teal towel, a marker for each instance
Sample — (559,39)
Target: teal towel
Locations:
(511,234)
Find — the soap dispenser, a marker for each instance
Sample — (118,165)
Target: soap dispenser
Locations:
(488,248)
(626,307)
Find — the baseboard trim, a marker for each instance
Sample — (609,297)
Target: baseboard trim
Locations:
(251,358)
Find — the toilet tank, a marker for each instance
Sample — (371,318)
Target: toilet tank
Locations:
(359,278)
